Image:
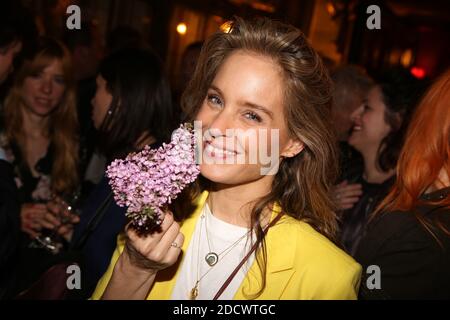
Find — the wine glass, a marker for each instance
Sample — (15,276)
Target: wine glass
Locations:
(66,208)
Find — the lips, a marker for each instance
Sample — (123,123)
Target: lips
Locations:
(218,151)
(43,102)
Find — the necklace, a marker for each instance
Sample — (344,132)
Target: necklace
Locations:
(212,257)
(194,291)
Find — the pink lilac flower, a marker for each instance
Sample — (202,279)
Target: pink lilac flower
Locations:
(147,181)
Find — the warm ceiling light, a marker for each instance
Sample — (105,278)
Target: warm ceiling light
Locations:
(331,9)
(226,27)
(406,58)
(181,28)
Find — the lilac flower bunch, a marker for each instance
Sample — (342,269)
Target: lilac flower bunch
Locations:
(147,181)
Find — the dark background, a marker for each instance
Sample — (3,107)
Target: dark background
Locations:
(414,33)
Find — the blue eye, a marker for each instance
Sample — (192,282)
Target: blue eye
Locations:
(253,116)
(214,99)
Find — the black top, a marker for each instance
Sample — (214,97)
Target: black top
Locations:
(9,225)
(354,221)
(413,264)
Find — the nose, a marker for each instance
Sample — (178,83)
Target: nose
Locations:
(218,127)
(47,86)
(356,114)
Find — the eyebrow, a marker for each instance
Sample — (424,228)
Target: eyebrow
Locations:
(248,104)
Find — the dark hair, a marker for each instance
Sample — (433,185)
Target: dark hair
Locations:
(141,101)
(349,81)
(401,93)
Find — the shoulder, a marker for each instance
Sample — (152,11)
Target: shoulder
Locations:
(323,270)
(399,230)
(311,244)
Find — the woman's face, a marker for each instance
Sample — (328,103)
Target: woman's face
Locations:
(44,91)
(100,102)
(369,125)
(242,118)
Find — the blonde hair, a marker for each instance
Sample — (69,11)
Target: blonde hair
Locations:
(62,125)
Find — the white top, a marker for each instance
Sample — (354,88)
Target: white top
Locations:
(221,235)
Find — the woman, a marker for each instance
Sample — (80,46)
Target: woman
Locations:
(131,108)
(409,237)
(379,126)
(260,79)
(39,136)
(40,132)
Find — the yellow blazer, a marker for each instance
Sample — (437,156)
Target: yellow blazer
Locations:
(301,264)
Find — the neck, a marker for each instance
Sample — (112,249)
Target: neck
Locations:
(372,172)
(34,126)
(233,204)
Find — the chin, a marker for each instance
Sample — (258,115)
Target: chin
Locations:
(42,112)
(228,173)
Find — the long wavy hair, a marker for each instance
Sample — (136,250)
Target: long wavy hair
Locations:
(302,185)
(426,151)
(62,126)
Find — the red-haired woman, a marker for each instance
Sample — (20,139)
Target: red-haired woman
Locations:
(409,238)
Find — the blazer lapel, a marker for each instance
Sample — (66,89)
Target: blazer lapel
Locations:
(281,246)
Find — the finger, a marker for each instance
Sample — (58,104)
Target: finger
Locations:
(28,227)
(349,200)
(174,252)
(50,218)
(53,207)
(145,244)
(169,237)
(351,193)
(343,183)
(355,186)
(39,207)
(65,230)
(44,224)
(74,219)
(31,232)
(351,187)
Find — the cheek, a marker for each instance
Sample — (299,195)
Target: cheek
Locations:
(204,115)
(58,94)
(29,90)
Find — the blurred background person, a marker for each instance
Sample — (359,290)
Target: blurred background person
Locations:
(409,237)
(120,38)
(38,133)
(350,87)
(379,126)
(86,51)
(132,108)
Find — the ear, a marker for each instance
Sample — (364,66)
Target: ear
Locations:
(293,148)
